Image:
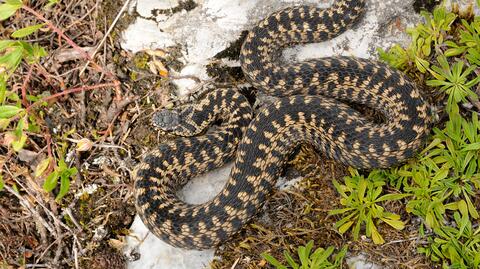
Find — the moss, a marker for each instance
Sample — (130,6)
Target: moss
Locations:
(140,60)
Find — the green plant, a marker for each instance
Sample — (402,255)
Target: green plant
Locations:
(445,180)
(61,172)
(361,198)
(16,118)
(12,53)
(319,259)
(455,247)
(453,80)
(425,35)
(437,25)
(456,148)
(447,175)
(469,42)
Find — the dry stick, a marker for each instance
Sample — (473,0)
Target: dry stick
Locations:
(52,163)
(106,34)
(61,34)
(65,92)
(45,209)
(24,86)
(30,208)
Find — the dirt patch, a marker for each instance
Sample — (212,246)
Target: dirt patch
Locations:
(428,5)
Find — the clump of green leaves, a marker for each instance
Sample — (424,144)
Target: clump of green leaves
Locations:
(468,44)
(319,259)
(454,80)
(425,36)
(12,53)
(447,175)
(362,198)
(455,246)
(446,178)
(456,77)
(62,173)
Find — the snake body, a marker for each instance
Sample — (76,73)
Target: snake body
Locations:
(312,109)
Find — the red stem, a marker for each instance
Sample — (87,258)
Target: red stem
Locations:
(24,86)
(61,34)
(114,84)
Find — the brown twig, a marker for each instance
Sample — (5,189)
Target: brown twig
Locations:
(74,90)
(52,163)
(24,86)
(65,92)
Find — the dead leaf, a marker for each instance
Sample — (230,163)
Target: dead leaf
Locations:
(65,55)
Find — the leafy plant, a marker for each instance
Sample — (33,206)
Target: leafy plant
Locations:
(13,108)
(12,53)
(447,175)
(361,198)
(9,8)
(424,36)
(456,148)
(456,247)
(437,25)
(319,259)
(62,173)
(469,42)
(454,81)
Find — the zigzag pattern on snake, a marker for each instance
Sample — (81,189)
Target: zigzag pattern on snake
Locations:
(312,108)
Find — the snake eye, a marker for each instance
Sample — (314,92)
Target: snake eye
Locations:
(165,119)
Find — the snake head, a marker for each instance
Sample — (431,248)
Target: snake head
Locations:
(175,121)
(166,120)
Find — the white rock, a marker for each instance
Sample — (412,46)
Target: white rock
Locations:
(361,262)
(156,254)
(144,34)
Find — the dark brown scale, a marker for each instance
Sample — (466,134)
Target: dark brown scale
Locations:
(311,110)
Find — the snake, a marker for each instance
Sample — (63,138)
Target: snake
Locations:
(315,104)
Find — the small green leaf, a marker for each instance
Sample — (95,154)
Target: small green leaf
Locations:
(3,89)
(51,181)
(42,166)
(7,111)
(290,260)
(474,146)
(376,237)
(64,186)
(342,229)
(12,59)
(20,142)
(396,224)
(392,196)
(27,30)
(2,183)
(454,51)
(422,65)
(273,261)
(9,8)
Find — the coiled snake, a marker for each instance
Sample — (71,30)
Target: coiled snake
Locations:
(312,109)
